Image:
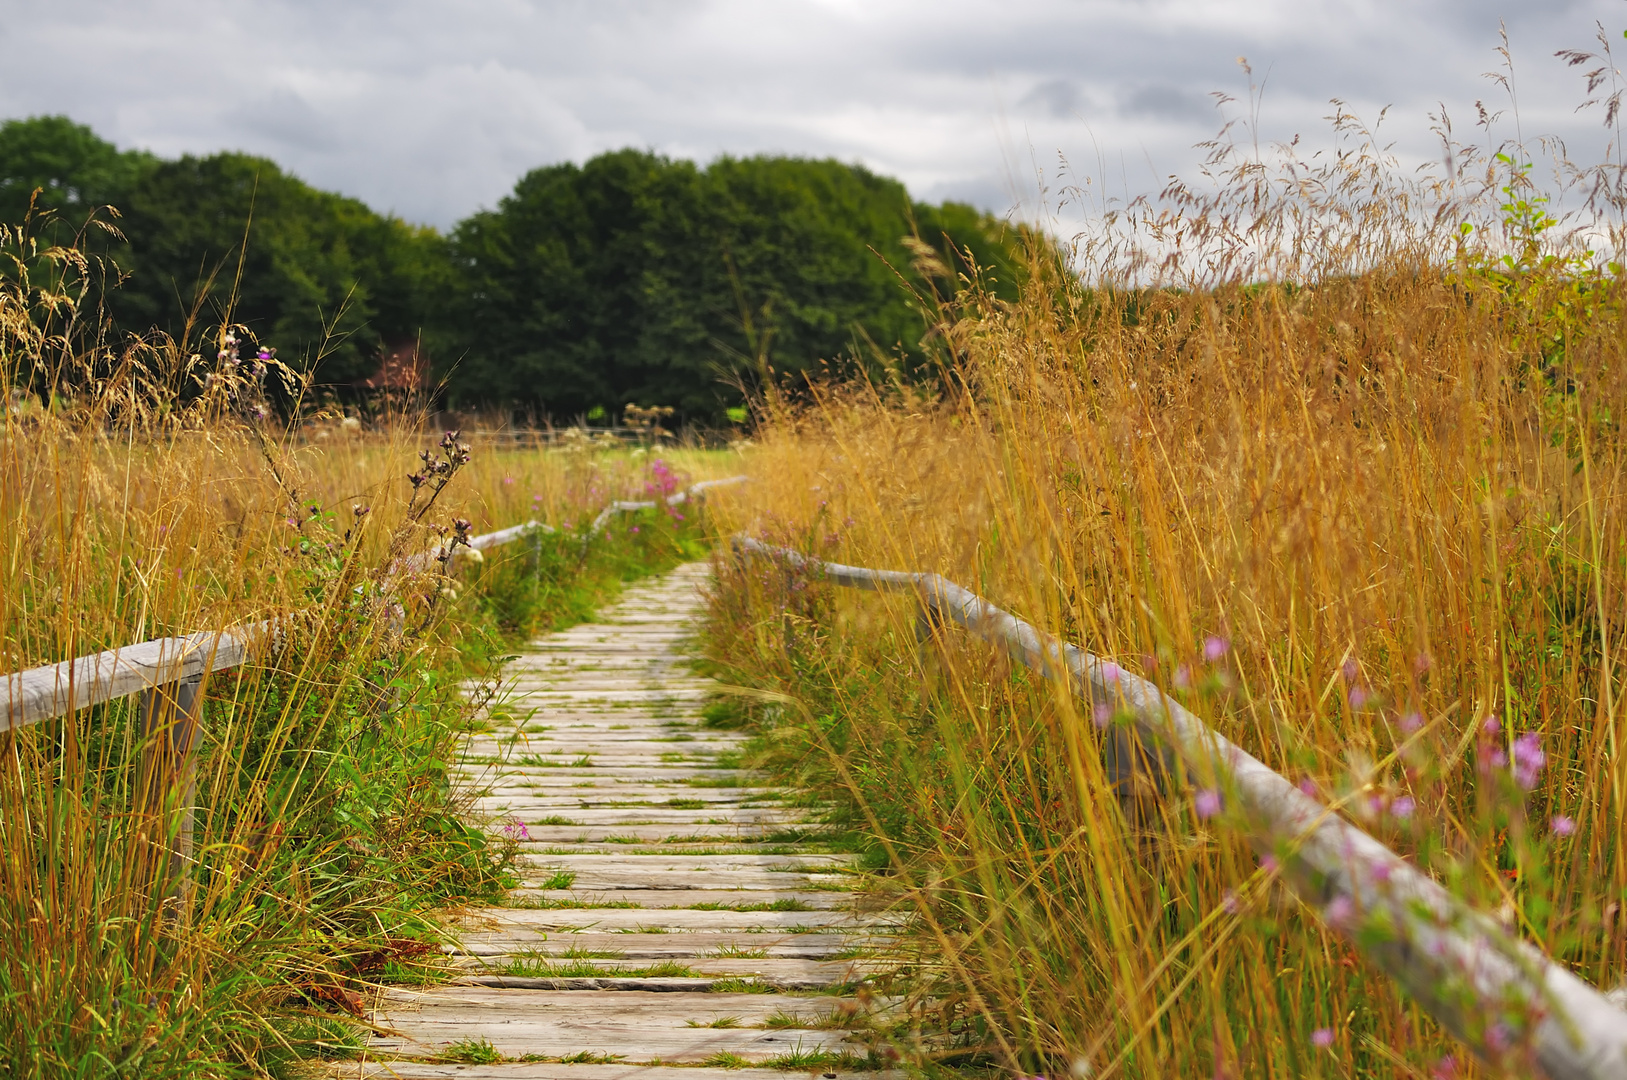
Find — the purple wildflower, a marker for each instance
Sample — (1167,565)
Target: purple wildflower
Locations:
(1411,722)
(1322,1038)
(1269,863)
(1214,647)
(1403,807)
(1307,787)
(1562,825)
(1528,759)
(1206,803)
(1444,1069)
(1358,697)
(1109,671)
(1492,725)
(1182,678)
(1100,714)
(516,830)
(1340,911)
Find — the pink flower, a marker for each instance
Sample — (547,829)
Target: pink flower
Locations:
(1182,678)
(1528,759)
(1269,863)
(1231,903)
(516,830)
(1444,1069)
(1411,722)
(1358,697)
(1491,726)
(1100,714)
(1322,1038)
(1214,648)
(1340,911)
(1206,803)
(1109,671)
(1562,825)
(1403,806)
(1307,787)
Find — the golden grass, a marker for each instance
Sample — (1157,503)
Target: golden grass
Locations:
(1383,493)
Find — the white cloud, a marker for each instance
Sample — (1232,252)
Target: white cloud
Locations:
(432,108)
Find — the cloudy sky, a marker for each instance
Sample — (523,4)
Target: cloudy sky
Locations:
(432,108)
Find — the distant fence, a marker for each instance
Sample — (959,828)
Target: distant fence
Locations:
(169,673)
(1472,976)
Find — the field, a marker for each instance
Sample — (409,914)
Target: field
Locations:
(1365,519)
(1336,463)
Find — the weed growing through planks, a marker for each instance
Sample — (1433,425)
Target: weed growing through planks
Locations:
(473,1052)
(727,1059)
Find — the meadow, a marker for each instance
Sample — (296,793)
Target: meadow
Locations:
(1328,450)
(1330,453)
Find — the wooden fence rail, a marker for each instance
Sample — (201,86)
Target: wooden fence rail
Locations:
(169,672)
(1491,990)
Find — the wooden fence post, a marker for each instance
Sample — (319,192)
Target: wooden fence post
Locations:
(170,717)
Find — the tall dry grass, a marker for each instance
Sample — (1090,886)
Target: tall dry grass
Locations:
(149,489)
(1330,467)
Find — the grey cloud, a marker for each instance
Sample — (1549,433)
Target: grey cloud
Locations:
(433,108)
(1056,98)
(1161,101)
(284,118)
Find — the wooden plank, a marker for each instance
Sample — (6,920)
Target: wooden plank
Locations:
(666,900)
(639,1025)
(564,921)
(533,1070)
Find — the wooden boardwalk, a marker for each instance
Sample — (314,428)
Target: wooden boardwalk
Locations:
(673,922)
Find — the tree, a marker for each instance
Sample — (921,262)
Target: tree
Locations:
(75,170)
(232,237)
(634,278)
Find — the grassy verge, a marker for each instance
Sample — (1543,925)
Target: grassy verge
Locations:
(148,493)
(1366,522)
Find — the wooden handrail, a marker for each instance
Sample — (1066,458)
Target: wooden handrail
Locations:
(625,505)
(1491,990)
(53,690)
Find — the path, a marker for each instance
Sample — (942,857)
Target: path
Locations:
(673,911)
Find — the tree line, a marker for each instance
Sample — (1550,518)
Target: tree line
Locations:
(630,278)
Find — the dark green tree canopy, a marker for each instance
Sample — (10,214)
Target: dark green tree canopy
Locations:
(630,278)
(638,278)
(232,237)
(74,170)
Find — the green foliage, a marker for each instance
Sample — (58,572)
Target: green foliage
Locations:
(233,238)
(74,170)
(638,278)
(631,278)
